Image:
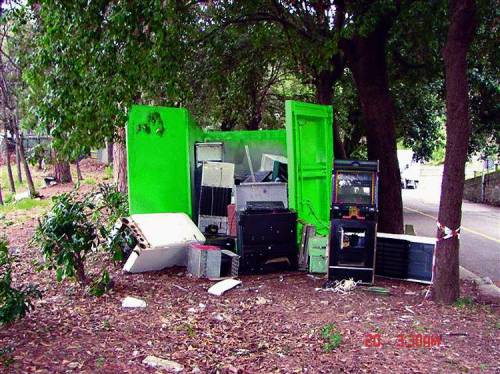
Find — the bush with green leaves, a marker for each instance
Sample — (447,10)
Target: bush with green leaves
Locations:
(14,302)
(331,337)
(38,154)
(78,227)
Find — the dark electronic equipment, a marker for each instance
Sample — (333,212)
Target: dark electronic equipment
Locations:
(405,257)
(280,171)
(260,176)
(353,221)
(265,205)
(267,240)
(223,242)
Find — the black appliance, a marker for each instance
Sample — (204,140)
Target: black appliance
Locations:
(353,221)
(267,238)
(223,242)
(405,257)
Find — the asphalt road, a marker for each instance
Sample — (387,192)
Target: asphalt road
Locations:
(480,234)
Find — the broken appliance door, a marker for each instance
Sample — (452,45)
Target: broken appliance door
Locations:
(162,239)
(352,250)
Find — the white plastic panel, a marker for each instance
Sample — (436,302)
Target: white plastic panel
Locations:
(162,230)
(267,162)
(267,191)
(217,174)
(168,236)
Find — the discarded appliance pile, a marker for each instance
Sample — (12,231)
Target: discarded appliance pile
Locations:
(252,202)
(242,227)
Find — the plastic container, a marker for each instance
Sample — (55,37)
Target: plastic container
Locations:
(318,254)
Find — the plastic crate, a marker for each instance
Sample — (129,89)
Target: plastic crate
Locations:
(318,252)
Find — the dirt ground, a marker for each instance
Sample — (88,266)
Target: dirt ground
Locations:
(271,324)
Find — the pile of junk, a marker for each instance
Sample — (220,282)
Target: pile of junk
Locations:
(227,203)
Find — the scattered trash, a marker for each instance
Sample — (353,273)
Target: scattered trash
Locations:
(201,308)
(409,309)
(162,363)
(132,302)
(74,365)
(220,287)
(204,261)
(22,196)
(262,300)
(344,286)
(487,280)
(180,288)
(219,317)
(378,290)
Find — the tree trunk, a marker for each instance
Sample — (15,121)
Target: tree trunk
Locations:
(22,157)
(18,164)
(12,184)
(366,59)
(324,95)
(78,171)
(109,148)
(1,196)
(62,171)
(458,128)
(120,162)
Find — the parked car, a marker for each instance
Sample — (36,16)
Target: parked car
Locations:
(409,169)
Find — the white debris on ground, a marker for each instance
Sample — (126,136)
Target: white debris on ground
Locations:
(132,302)
(220,287)
(162,363)
(22,195)
(344,286)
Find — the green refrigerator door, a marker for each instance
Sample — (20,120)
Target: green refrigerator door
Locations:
(310,160)
(159,156)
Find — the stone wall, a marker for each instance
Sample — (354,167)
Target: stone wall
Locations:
(472,189)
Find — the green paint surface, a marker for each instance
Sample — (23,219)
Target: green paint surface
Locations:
(247,136)
(310,161)
(160,163)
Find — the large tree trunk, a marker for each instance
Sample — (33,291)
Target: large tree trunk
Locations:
(62,171)
(22,157)
(78,170)
(120,162)
(324,95)
(458,128)
(18,164)
(12,184)
(109,148)
(366,59)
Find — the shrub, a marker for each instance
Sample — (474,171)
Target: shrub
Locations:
(78,227)
(14,303)
(66,235)
(331,337)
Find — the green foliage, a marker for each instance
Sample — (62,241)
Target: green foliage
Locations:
(101,284)
(234,63)
(464,302)
(6,356)
(25,204)
(66,235)
(40,152)
(76,228)
(14,303)
(108,172)
(331,337)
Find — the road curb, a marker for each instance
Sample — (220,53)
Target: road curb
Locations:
(487,289)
